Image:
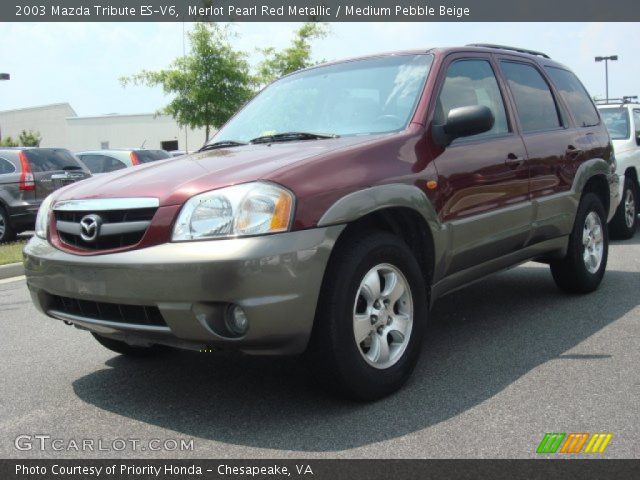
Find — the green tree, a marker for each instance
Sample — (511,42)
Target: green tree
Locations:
(29,138)
(8,142)
(295,57)
(209,84)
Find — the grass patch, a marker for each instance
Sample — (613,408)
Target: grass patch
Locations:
(11,252)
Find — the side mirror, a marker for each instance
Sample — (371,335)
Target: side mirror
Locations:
(638,139)
(464,122)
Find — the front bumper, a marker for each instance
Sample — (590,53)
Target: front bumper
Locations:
(276,280)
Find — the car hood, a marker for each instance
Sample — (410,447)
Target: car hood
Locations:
(174,180)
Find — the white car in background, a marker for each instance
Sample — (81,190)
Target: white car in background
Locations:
(623,121)
(105,161)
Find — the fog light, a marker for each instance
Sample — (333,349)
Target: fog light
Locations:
(237,321)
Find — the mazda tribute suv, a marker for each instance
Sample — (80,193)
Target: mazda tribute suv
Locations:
(334,209)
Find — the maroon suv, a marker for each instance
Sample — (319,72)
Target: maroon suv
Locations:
(334,209)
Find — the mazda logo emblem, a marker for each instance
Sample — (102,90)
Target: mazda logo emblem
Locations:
(90,227)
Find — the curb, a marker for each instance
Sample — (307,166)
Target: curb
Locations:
(11,270)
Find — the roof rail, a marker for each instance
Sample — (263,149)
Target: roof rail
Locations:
(616,101)
(505,47)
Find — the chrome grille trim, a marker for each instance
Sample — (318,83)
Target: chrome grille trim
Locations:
(106,229)
(112,225)
(103,204)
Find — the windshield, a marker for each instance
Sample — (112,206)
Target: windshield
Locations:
(617,121)
(360,97)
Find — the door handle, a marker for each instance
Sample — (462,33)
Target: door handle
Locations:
(514,160)
(573,151)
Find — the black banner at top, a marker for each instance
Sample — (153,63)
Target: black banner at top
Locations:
(319,10)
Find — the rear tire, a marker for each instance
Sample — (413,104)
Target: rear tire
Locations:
(7,233)
(374,291)
(625,222)
(582,269)
(124,348)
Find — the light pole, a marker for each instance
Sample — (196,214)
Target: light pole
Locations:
(613,58)
(4,76)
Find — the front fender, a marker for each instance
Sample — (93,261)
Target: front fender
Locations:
(356,205)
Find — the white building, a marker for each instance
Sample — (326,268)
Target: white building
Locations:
(60,126)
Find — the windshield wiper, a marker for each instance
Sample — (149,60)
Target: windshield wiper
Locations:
(222,144)
(291,136)
(71,167)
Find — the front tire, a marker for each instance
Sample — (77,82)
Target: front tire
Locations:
(124,348)
(625,222)
(582,269)
(370,319)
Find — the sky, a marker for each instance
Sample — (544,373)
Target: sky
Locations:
(81,63)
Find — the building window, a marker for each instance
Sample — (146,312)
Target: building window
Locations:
(169,145)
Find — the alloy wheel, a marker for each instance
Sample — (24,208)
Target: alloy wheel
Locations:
(383,316)
(593,242)
(629,208)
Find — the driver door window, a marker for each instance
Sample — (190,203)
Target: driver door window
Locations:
(469,83)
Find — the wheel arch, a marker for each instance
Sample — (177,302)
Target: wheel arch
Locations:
(403,210)
(632,173)
(595,176)
(598,185)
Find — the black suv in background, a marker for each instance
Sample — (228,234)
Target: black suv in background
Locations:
(27,176)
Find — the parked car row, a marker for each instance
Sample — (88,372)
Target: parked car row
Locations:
(331,212)
(29,174)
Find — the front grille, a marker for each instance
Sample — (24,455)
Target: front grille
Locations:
(112,216)
(110,312)
(119,228)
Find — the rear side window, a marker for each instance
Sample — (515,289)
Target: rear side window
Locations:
(576,96)
(101,163)
(537,109)
(146,156)
(49,159)
(617,122)
(6,166)
(636,120)
(470,83)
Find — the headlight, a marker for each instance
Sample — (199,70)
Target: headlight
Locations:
(42,219)
(247,209)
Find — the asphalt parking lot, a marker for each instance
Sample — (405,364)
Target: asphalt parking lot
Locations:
(507,360)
